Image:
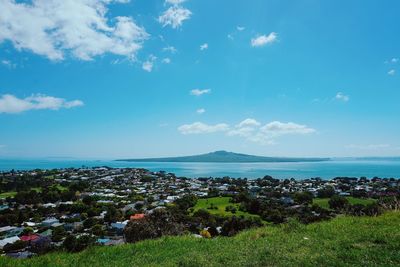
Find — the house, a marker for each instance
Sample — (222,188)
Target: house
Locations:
(20,254)
(9,231)
(287,200)
(136,217)
(9,240)
(119,226)
(102,241)
(3,207)
(6,229)
(49,205)
(29,238)
(49,221)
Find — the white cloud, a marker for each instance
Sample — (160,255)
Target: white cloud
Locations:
(199,92)
(201,128)
(264,39)
(240,28)
(200,111)
(230,36)
(174,2)
(82,28)
(277,128)
(204,46)
(171,49)
(394,60)
(174,16)
(392,72)
(149,63)
(243,131)
(342,97)
(248,122)
(250,130)
(12,104)
(166,60)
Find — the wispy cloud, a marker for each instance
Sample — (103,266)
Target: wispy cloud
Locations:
(8,64)
(342,97)
(240,28)
(204,46)
(200,111)
(12,104)
(170,48)
(166,60)
(174,16)
(149,63)
(80,28)
(262,40)
(392,72)
(199,92)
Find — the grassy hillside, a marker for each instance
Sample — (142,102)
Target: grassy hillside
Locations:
(344,241)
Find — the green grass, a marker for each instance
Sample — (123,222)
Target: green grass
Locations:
(220,203)
(7,194)
(324,202)
(343,241)
(61,188)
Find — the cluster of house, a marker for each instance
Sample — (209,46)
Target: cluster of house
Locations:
(138,192)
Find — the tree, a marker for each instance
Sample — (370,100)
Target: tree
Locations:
(326,192)
(70,243)
(88,200)
(98,230)
(338,202)
(186,202)
(58,234)
(303,197)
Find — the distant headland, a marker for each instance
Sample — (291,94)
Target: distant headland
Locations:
(227,157)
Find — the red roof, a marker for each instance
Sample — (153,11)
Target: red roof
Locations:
(28,238)
(137,216)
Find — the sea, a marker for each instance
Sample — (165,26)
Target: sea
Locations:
(341,167)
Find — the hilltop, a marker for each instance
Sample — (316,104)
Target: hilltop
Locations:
(343,241)
(225,156)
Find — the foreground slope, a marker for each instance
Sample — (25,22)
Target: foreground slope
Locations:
(224,156)
(344,241)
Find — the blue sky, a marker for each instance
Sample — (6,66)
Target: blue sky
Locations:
(111,79)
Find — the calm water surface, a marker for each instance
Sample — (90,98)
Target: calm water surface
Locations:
(298,170)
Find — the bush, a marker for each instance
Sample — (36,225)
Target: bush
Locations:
(159,223)
(338,203)
(234,224)
(17,245)
(74,244)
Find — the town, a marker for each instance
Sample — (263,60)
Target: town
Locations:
(70,209)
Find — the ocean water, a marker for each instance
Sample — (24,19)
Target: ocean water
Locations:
(299,170)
